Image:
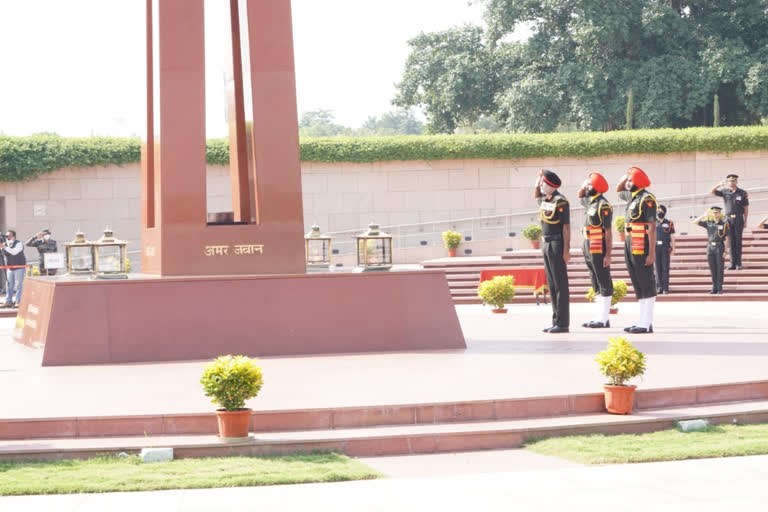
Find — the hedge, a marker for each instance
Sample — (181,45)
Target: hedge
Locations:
(23,158)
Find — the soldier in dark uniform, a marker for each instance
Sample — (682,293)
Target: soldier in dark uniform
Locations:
(640,244)
(717,230)
(598,241)
(43,242)
(665,248)
(554,212)
(736,212)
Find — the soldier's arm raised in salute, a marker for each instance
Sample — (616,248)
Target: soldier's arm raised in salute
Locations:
(716,189)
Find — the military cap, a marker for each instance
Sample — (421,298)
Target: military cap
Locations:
(551,178)
(732,177)
(715,209)
(46,230)
(663,208)
(638,177)
(598,182)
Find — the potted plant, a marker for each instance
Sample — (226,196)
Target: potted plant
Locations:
(497,292)
(619,292)
(533,233)
(452,240)
(618,225)
(620,361)
(230,381)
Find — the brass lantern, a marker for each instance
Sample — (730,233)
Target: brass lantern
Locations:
(374,249)
(317,249)
(109,256)
(80,256)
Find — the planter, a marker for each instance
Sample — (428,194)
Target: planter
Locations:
(613,311)
(619,399)
(233,424)
(452,253)
(536,244)
(499,310)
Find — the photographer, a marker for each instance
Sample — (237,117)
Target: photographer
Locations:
(44,244)
(14,258)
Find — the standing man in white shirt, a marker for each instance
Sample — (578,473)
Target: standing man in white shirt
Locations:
(14,258)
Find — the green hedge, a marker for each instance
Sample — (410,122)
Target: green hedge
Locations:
(23,158)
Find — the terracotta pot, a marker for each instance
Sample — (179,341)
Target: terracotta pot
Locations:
(536,244)
(499,310)
(233,423)
(622,236)
(619,399)
(613,311)
(452,253)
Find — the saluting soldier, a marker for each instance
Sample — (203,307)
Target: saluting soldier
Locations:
(44,244)
(598,241)
(717,230)
(640,244)
(555,215)
(736,212)
(665,248)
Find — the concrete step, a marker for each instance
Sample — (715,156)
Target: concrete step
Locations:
(673,296)
(400,439)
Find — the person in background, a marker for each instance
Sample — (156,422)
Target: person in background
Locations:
(640,244)
(736,211)
(555,216)
(14,258)
(665,248)
(598,243)
(717,230)
(44,244)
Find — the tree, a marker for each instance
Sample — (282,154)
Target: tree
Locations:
(584,55)
(398,122)
(630,110)
(319,123)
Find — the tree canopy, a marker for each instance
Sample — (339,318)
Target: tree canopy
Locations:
(582,59)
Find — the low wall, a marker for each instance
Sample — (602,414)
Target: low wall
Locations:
(349,196)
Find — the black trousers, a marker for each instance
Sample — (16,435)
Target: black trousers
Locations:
(716,265)
(557,280)
(598,274)
(662,267)
(643,280)
(735,231)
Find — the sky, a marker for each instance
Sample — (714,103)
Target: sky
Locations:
(76,67)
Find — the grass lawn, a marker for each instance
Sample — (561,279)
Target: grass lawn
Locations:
(107,474)
(716,441)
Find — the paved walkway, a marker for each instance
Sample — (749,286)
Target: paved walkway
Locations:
(698,485)
(507,356)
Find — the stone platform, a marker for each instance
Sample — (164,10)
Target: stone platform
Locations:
(511,382)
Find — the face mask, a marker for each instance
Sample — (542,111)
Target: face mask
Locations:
(546,189)
(46,237)
(591,191)
(628,185)
(661,215)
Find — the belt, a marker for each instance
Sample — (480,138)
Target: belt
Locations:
(732,215)
(556,236)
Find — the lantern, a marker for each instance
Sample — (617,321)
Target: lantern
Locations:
(109,256)
(317,249)
(80,255)
(374,249)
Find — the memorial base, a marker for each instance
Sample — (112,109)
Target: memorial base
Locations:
(151,318)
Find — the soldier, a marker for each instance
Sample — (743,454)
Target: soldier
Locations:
(736,212)
(717,230)
(639,247)
(598,241)
(665,248)
(554,212)
(43,242)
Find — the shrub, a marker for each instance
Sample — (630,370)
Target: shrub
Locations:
(451,239)
(620,361)
(532,232)
(619,292)
(618,224)
(231,380)
(498,291)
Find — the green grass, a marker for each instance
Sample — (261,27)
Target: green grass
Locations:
(715,441)
(108,474)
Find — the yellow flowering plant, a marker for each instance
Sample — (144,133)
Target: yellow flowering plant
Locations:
(620,361)
(498,291)
(231,380)
(452,239)
(619,292)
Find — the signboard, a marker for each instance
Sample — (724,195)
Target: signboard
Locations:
(53,260)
